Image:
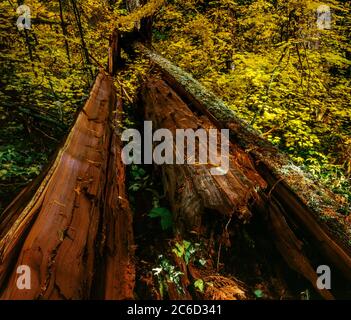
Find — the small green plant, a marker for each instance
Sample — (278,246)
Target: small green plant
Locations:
(139,179)
(199,284)
(305,295)
(202,261)
(258,293)
(164,214)
(185,250)
(166,272)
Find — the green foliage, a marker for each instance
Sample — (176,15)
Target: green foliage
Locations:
(202,262)
(268,61)
(258,293)
(41,84)
(127,22)
(199,285)
(132,76)
(166,272)
(139,179)
(165,217)
(185,250)
(305,295)
(14,165)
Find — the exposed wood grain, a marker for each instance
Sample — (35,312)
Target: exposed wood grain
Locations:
(120,273)
(292,191)
(192,189)
(56,233)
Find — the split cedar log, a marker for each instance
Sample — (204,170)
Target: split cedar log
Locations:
(303,201)
(58,232)
(192,189)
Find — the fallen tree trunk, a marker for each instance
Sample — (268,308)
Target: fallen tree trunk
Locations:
(329,233)
(192,188)
(57,234)
(194,192)
(290,246)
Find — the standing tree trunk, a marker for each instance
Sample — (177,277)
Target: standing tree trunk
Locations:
(82,39)
(64,31)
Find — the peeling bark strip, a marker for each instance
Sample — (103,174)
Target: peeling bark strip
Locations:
(330,233)
(191,188)
(65,213)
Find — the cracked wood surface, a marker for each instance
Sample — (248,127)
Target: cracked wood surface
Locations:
(192,189)
(58,233)
(289,184)
(329,231)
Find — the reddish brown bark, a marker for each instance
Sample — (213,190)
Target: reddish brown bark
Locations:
(192,189)
(57,233)
(120,274)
